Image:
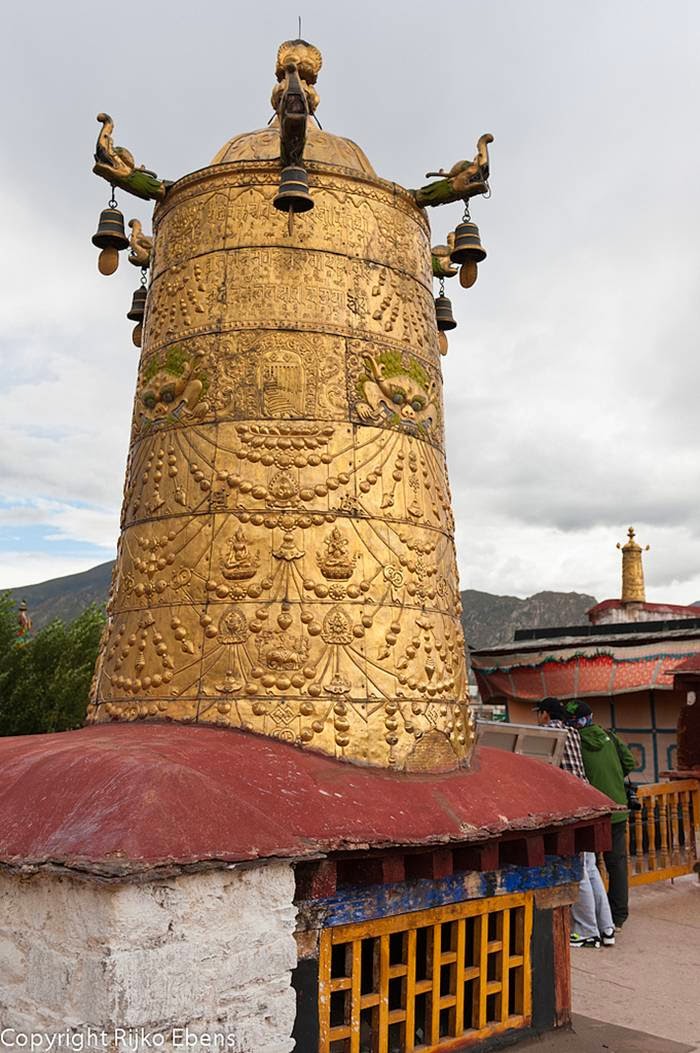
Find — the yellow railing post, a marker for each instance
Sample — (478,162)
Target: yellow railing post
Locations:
(675,838)
(651,833)
(688,831)
(663,829)
(639,842)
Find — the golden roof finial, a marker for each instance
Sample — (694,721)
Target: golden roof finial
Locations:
(632,570)
(307,60)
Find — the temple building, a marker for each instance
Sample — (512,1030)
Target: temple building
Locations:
(635,664)
(275,828)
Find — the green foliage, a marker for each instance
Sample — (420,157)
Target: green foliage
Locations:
(172,361)
(395,366)
(176,360)
(45,681)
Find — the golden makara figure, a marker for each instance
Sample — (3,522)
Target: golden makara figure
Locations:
(286,562)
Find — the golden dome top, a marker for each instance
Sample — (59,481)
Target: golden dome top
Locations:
(264,145)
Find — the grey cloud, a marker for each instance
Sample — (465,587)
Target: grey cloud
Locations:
(571,382)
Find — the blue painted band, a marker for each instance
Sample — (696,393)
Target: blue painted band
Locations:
(365,903)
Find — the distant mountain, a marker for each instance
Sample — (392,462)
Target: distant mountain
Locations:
(490,620)
(487,620)
(67,597)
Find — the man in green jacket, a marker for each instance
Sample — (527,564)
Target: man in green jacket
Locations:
(607,761)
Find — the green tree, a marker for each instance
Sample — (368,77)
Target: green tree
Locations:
(45,682)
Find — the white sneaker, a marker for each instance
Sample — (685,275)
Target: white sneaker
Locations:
(583,941)
(608,937)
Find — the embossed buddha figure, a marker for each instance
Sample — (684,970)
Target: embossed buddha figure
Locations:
(286,563)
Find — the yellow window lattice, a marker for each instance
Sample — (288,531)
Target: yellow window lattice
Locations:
(425,981)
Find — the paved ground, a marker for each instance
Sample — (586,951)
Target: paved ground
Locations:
(594,1036)
(648,982)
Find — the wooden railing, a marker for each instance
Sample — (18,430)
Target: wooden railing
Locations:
(428,980)
(661,837)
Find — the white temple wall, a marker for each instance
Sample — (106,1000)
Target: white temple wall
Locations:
(639,612)
(211,953)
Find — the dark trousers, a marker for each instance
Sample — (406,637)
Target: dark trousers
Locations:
(616,865)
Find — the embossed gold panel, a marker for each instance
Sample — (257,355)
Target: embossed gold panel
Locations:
(286,563)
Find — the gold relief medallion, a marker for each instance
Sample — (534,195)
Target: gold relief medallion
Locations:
(394,389)
(173,386)
(336,628)
(233,627)
(239,563)
(283,490)
(336,562)
(279,376)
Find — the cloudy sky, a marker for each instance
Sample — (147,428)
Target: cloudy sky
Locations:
(572,380)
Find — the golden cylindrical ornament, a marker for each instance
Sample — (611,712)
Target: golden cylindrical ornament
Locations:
(286,563)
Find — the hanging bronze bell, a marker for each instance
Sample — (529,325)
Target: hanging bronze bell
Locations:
(138,305)
(443,312)
(110,230)
(467,245)
(136,314)
(111,238)
(293,194)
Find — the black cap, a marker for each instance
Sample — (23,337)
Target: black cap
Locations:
(575,710)
(552,706)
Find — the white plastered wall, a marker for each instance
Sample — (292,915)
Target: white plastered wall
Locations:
(210,952)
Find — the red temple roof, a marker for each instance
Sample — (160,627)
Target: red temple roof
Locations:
(690,667)
(116,800)
(610,663)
